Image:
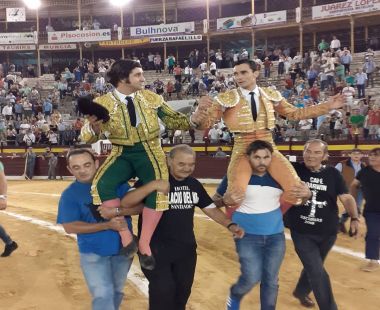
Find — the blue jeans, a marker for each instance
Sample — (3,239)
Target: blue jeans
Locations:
(4,236)
(260,260)
(105,277)
(372,239)
(312,251)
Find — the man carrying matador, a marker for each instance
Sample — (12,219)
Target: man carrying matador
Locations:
(129,118)
(249,112)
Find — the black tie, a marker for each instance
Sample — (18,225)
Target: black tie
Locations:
(253,106)
(131,111)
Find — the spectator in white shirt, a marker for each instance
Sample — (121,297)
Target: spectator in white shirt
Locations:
(335,44)
(214,134)
(7,111)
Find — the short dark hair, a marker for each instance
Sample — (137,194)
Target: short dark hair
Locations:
(79,151)
(252,64)
(356,150)
(259,145)
(375,151)
(121,69)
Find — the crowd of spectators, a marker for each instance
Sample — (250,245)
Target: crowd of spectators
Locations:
(31,116)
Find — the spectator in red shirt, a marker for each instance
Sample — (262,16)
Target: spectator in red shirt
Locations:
(374,120)
(267,65)
(177,73)
(314,92)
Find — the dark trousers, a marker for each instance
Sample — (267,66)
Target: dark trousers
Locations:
(312,251)
(372,239)
(171,280)
(361,90)
(346,68)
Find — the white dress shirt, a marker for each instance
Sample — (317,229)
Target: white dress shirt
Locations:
(123,99)
(247,96)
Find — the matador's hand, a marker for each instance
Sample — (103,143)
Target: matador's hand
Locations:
(336,102)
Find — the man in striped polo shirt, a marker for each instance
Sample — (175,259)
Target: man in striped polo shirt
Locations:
(262,249)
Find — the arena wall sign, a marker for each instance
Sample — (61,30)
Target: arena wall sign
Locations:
(124,43)
(17,38)
(57,47)
(250,20)
(163,29)
(79,36)
(345,8)
(161,39)
(18,47)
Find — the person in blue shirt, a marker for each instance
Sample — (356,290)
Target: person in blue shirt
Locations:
(262,249)
(47,107)
(99,243)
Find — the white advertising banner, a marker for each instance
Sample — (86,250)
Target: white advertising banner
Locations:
(18,47)
(249,20)
(79,36)
(349,7)
(269,18)
(163,29)
(57,47)
(17,38)
(197,37)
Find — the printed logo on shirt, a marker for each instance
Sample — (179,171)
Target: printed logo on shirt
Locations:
(315,185)
(182,198)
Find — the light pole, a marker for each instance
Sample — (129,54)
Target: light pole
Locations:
(34,5)
(121,4)
(208,30)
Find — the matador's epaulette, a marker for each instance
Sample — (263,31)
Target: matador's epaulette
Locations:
(151,99)
(108,101)
(270,94)
(228,99)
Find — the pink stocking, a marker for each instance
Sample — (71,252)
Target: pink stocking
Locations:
(126,236)
(150,221)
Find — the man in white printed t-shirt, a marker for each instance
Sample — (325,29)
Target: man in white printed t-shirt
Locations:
(262,248)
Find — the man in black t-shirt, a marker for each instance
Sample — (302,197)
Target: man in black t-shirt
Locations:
(368,179)
(173,243)
(314,225)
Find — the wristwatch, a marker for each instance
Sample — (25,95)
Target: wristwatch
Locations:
(3,197)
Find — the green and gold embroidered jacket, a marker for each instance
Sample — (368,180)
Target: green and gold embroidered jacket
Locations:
(149,106)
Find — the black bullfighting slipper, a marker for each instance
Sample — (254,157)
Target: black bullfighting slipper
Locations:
(131,249)
(87,106)
(147,261)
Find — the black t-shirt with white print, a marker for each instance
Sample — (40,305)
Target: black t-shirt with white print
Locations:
(319,215)
(176,224)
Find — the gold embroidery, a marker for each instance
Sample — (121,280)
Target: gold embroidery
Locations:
(228,99)
(115,153)
(158,160)
(270,94)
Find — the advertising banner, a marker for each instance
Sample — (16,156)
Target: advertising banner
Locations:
(345,8)
(197,37)
(18,47)
(163,29)
(249,20)
(17,38)
(124,43)
(79,36)
(57,47)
